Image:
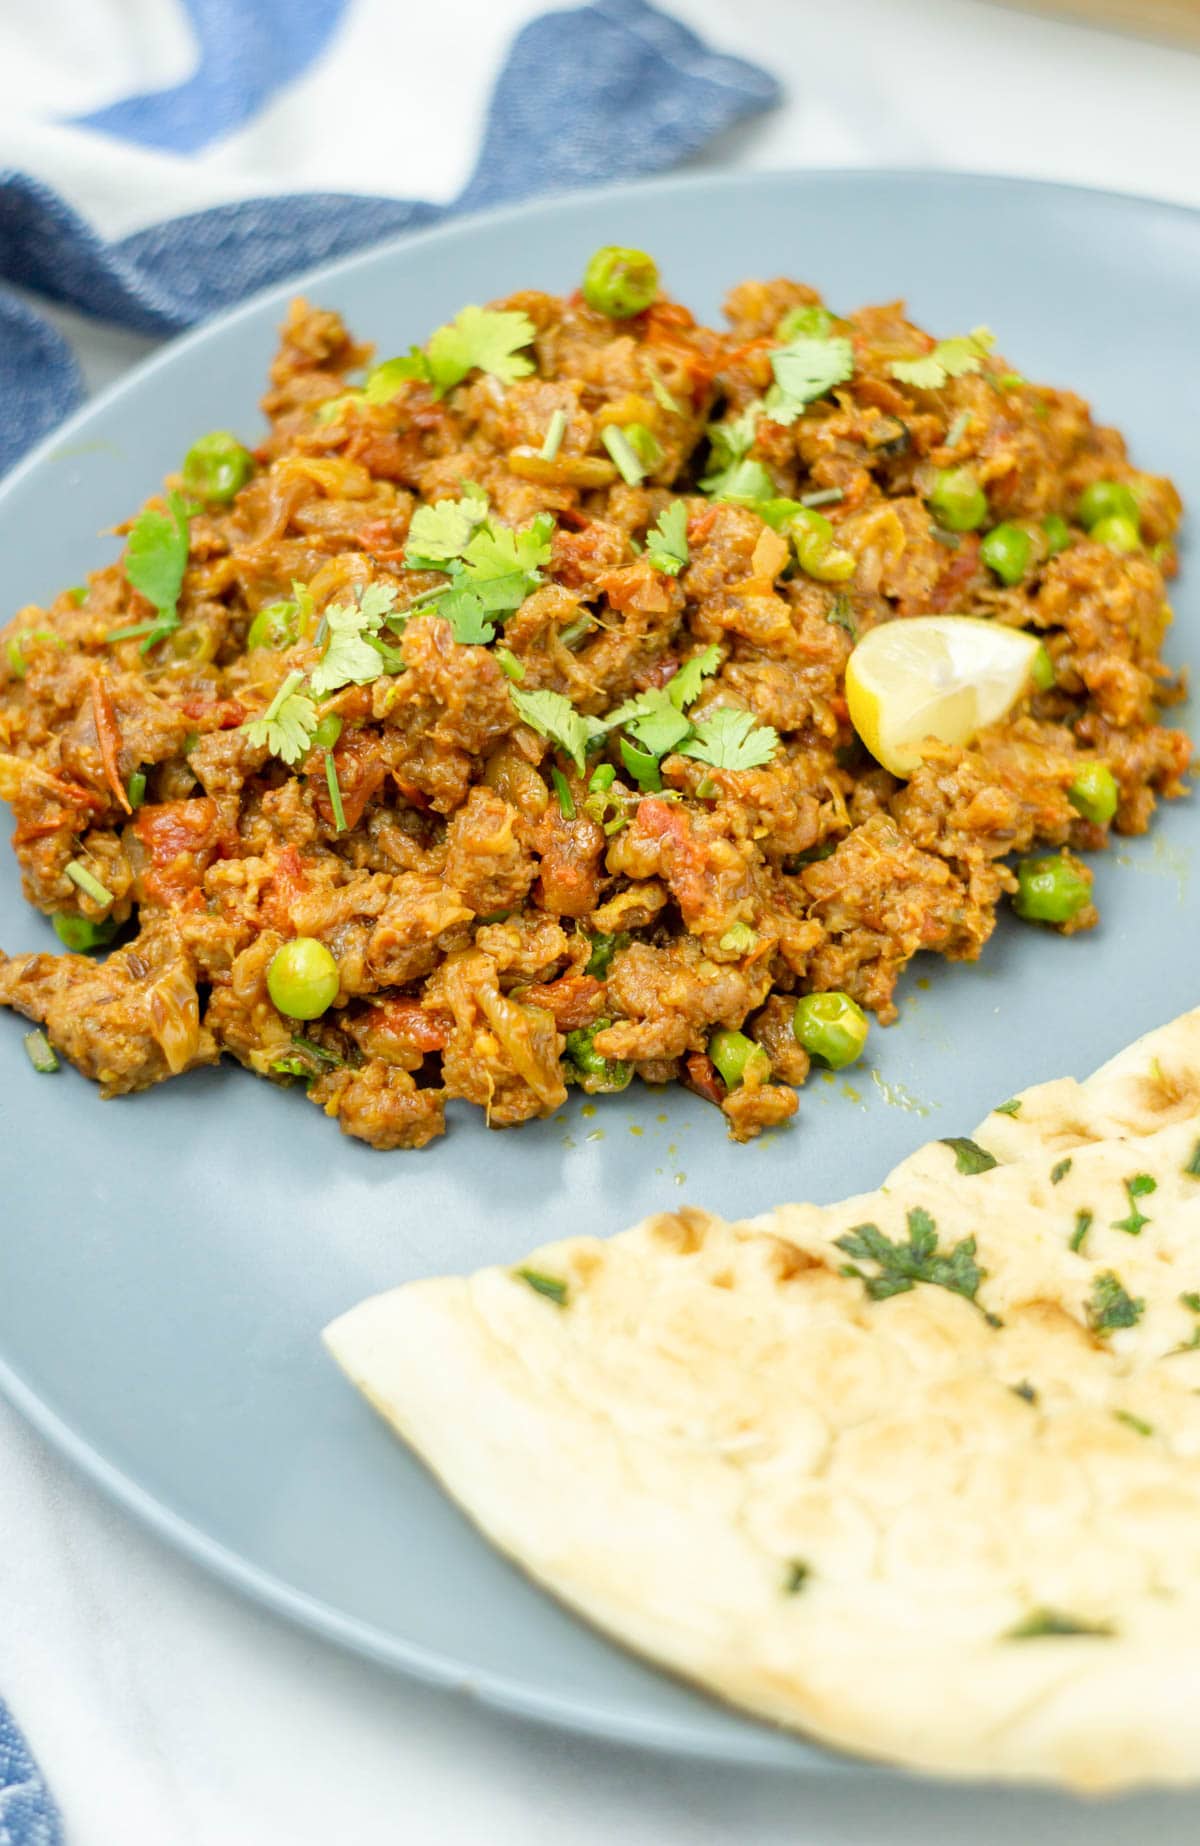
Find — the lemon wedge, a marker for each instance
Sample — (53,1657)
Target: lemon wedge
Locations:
(939,676)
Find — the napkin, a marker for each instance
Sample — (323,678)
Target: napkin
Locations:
(609,91)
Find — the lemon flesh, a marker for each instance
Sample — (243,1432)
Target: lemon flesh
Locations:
(934,676)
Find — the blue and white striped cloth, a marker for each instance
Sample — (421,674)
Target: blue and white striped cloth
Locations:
(609,91)
(130,209)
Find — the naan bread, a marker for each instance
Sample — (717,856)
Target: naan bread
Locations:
(955,1530)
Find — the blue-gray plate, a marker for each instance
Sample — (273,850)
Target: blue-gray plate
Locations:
(167,1261)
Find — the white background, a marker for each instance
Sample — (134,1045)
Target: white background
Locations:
(165,1711)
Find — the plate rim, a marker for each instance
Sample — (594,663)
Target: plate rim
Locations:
(760,1745)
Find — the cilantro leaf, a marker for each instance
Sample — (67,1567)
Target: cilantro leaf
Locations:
(666,541)
(969,1157)
(1043,1623)
(551,715)
(288,724)
(658,724)
(683,688)
(354,656)
(503,565)
(1109,1305)
(900,1266)
(465,612)
(949,359)
(730,739)
(479,339)
(1136,1188)
(386,379)
(806,369)
(731,441)
(443,531)
(553,1287)
(156,556)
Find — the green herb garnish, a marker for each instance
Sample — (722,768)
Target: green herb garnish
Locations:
(555,431)
(554,717)
(902,1265)
(1138,1424)
(552,1287)
(666,541)
(354,652)
(1011,1107)
(805,369)
(156,556)
(1025,1391)
(1060,1171)
(841,613)
(969,1157)
(1192,1169)
(1083,1224)
(88,883)
(796,1576)
(477,339)
(1044,1623)
(335,793)
(729,738)
(1110,1307)
(40,1053)
(949,359)
(1139,1187)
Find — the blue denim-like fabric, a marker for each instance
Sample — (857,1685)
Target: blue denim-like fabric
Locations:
(608,91)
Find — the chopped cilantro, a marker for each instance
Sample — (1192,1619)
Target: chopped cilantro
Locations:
(1011,1107)
(1192,1169)
(1083,1224)
(443,531)
(662,396)
(1109,1306)
(969,1157)
(949,359)
(335,793)
(666,542)
(654,719)
(730,739)
(1025,1391)
(731,442)
(554,717)
(1192,1302)
(642,766)
(508,663)
(1044,1623)
(553,1287)
(683,688)
(555,431)
(1060,1170)
(354,654)
(630,466)
(562,788)
(824,496)
(902,1265)
(796,1576)
(477,339)
(156,556)
(1139,1187)
(286,727)
(806,369)
(841,613)
(1137,1424)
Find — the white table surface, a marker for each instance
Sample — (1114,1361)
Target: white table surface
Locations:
(168,1712)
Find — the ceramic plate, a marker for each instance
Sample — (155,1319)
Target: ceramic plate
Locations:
(167,1261)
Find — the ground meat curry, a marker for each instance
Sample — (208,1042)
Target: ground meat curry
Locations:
(485,730)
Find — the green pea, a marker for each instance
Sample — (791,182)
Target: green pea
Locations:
(811,322)
(327,732)
(1057,533)
(599,1076)
(217,466)
(812,537)
(302,979)
(80,933)
(1094,792)
(620,282)
(737,1058)
(1007,550)
(1106,500)
(1042,671)
(831,1027)
(1051,890)
(1117,532)
(957,500)
(275,626)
